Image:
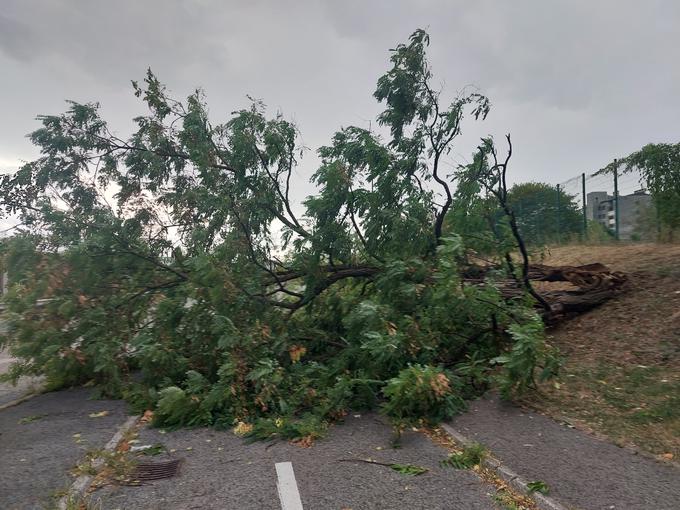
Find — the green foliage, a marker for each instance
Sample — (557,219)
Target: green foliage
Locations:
(172,268)
(474,372)
(174,408)
(421,393)
(541,216)
(308,427)
(538,486)
(660,168)
(506,500)
(471,456)
(31,419)
(528,354)
(545,214)
(408,469)
(479,222)
(597,233)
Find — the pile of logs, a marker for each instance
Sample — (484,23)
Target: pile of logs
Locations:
(583,287)
(591,285)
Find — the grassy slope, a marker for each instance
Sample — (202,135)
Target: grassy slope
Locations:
(622,373)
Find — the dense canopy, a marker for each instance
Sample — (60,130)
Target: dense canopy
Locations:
(172,267)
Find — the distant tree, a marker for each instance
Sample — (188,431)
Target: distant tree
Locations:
(659,165)
(484,226)
(542,217)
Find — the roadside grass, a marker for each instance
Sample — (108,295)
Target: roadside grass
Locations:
(506,500)
(538,486)
(621,378)
(106,466)
(117,466)
(82,503)
(30,419)
(638,405)
(668,272)
(469,457)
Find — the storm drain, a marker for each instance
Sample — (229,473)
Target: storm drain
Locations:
(146,471)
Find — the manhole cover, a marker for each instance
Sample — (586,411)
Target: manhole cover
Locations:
(145,471)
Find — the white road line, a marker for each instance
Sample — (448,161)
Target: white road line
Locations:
(287,487)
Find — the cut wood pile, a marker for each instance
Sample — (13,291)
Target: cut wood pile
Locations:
(591,285)
(569,290)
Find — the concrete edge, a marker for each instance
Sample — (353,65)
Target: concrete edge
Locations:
(20,400)
(82,483)
(513,479)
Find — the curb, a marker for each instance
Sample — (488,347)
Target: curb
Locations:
(20,400)
(82,483)
(513,479)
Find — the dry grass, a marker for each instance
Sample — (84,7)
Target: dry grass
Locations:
(620,257)
(621,378)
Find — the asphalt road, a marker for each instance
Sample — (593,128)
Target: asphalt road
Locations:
(43,438)
(38,446)
(221,471)
(580,469)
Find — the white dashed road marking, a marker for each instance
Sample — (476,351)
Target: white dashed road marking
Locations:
(287,487)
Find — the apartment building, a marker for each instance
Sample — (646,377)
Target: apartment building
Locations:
(601,207)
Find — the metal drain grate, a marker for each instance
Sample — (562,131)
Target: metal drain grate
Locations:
(145,471)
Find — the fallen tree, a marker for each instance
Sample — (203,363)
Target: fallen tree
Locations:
(588,286)
(175,269)
(593,284)
(594,276)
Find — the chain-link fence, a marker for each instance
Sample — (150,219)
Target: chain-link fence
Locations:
(610,204)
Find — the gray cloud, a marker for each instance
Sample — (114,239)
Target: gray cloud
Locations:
(576,83)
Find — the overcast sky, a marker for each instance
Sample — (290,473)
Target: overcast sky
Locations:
(576,83)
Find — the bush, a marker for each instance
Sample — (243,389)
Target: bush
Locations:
(421,395)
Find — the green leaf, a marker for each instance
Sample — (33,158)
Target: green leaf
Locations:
(408,469)
(538,486)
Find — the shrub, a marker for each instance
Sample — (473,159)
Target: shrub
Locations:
(421,394)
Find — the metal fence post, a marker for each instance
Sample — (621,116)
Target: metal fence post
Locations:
(616,199)
(585,214)
(559,230)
